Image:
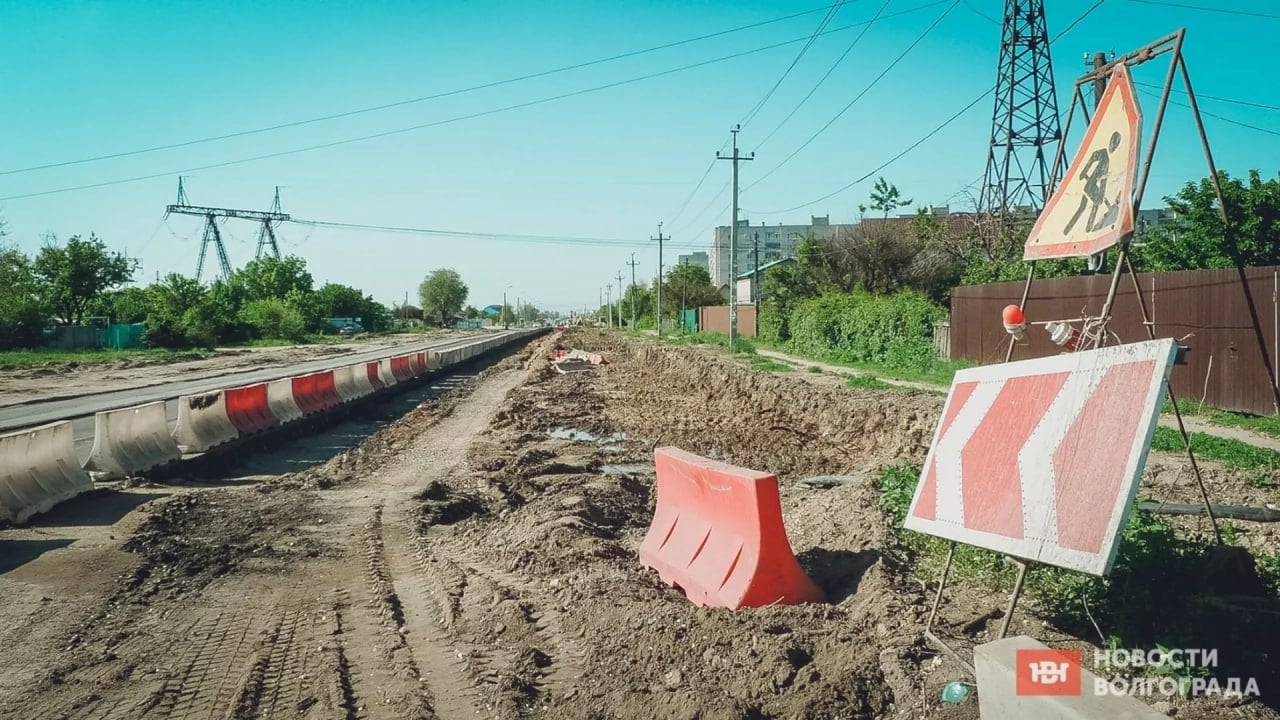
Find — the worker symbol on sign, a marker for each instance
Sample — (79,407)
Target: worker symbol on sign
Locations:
(1095,198)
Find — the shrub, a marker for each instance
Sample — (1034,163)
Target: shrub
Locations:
(273,318)
(894,330)
(772,323)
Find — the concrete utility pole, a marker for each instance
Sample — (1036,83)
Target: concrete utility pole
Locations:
(733,240)
(755,280)
(633,265)
(608,304)
(660,238)
(682,298)
(620,293)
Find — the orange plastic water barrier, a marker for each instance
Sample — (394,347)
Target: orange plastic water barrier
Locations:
(717,534)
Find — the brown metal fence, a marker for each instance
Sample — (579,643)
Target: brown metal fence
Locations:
(1206,309)
(715,318)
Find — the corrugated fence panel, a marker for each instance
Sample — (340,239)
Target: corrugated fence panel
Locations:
(1205,309)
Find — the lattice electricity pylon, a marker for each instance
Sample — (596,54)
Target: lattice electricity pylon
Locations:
(267,234)
(211,234)
(1025,130)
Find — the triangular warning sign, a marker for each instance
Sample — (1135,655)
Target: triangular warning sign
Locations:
(1092,209)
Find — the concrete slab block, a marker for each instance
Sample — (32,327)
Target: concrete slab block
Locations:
(998,699)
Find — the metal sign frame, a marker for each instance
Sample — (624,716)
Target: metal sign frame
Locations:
(1169,45)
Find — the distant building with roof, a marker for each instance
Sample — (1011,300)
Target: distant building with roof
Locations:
(773,242)
(747,280)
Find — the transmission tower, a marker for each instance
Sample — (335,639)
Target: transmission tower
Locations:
(1024,125)
(211,234)
(267,234)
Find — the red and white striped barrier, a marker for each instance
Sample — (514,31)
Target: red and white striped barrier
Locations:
(203,422)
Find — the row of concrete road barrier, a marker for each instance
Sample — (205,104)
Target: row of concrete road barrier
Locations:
(39,467)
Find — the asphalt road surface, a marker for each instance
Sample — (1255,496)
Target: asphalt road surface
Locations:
(80,409)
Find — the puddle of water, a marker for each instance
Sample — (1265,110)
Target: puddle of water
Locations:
(626,469)
(576,435)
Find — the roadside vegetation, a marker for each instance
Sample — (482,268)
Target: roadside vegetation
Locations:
(1261,424)
(1228,451)
(1167,586)
(83,285)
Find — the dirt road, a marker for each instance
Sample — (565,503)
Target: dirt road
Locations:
(477,558)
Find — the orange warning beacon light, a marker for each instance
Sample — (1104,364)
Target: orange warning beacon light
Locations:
(1014,321)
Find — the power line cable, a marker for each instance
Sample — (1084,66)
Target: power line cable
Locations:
(865,26)
(1207,113)
(969,6)
(830,70)
(1227,11)
(891,160)
(705,208)
(826,20)
(859,96)
(411,101)
(1202,96)
(934,131)
(512,237)
(398,131)
(673,217)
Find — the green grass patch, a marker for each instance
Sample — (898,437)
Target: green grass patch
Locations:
(11,359)
(870,382)
(764,364)
(1227,451)
(742,345)
(1262,424)
(1163,587)
(815,369)
(941,372)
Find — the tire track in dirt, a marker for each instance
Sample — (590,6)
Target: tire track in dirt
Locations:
(385,603)
(429,593)
(560,661)
(204,681)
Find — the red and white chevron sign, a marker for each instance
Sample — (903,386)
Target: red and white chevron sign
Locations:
(1041,459)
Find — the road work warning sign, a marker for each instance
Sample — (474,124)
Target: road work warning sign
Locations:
(1092,209)
(1040,459)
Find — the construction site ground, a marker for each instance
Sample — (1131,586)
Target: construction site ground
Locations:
(470,551)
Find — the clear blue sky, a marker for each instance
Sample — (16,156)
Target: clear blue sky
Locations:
(84,79)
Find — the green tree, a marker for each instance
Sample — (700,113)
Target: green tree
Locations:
(268,277)
(334,300)
(471,312)
(127,305)
(73,275)
(218,317)
(1196,240)
(175,304)
(442,294)
(688,286)
(274,319)
(23,313)
(886,197)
